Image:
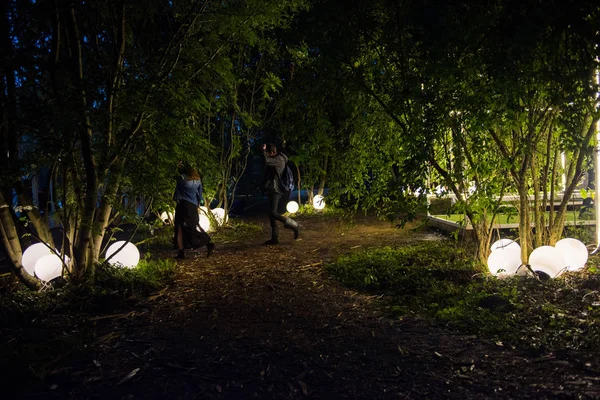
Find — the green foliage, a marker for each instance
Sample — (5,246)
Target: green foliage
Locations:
(438,281)
(149,275)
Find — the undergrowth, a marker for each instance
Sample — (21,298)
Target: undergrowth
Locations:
(47,325)
(441,282)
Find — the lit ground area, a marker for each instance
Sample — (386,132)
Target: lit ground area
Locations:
(269,323)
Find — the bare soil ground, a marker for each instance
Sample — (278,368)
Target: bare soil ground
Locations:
(268,323)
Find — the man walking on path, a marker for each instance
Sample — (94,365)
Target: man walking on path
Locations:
(275,164)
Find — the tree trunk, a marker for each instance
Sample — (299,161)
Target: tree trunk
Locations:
(524,224)
(103,213)
(299,187)
(323,176)
(12,245)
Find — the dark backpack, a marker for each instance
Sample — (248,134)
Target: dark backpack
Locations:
(287,179)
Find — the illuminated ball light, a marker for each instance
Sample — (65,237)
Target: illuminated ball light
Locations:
(48,267)
(292,207)
(502,263)
(547,260)
(220,216)
(32,254)
(204,223)
(128,256)
(574,252)
(504,244)
(167,217)
(318,202)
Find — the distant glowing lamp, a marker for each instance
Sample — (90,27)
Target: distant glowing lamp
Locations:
(547,260)
(167,217)
(128,256)
(319,202)
(505,244)
(48,267)
(505,260)
(292,207)
(574,252)
(32,254)
(220,216)
(204,222)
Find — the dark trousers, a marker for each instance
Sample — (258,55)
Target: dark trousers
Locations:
(275,210)
(186,218)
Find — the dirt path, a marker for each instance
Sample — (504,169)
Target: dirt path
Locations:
(268,323)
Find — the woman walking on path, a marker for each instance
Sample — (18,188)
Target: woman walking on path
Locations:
(275,164)
(188,195)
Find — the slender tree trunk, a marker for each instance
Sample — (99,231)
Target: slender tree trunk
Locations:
(12,245)
(103,213)
(323,176)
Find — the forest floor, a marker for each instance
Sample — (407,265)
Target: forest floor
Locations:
(269,323)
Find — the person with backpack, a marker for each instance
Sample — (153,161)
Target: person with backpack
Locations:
(277,192)
(188,195)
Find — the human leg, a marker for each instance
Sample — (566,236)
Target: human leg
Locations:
(274,216)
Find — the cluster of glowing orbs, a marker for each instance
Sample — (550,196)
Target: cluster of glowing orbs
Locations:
(32,254)
(220,216)
(574,252)
(292,207)
(48,267)
(548,260)
(505,257)
(167,217)
(128,256)
(318,202)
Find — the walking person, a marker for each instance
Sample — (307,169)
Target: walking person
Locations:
(188,195)
(275,163)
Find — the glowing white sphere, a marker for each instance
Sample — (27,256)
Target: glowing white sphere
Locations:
(292,207)
(203,210)
(220,216)
(167,217)
(204,222)
(318,202)
(505,261)
(48,267)
(574,252)
(547,259)
(128,257)
(505,244)
(32,254)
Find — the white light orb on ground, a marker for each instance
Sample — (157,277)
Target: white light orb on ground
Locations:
(167,217)
(318,202)
(48,267)
(505,244)
(547,259)
(203,210)
(32,254)
(220,216)
(204,222)
(292,207)
(128,257)
(574,252)
(505,261)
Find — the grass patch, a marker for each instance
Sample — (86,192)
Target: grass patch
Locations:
(236,231)
(441,282)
